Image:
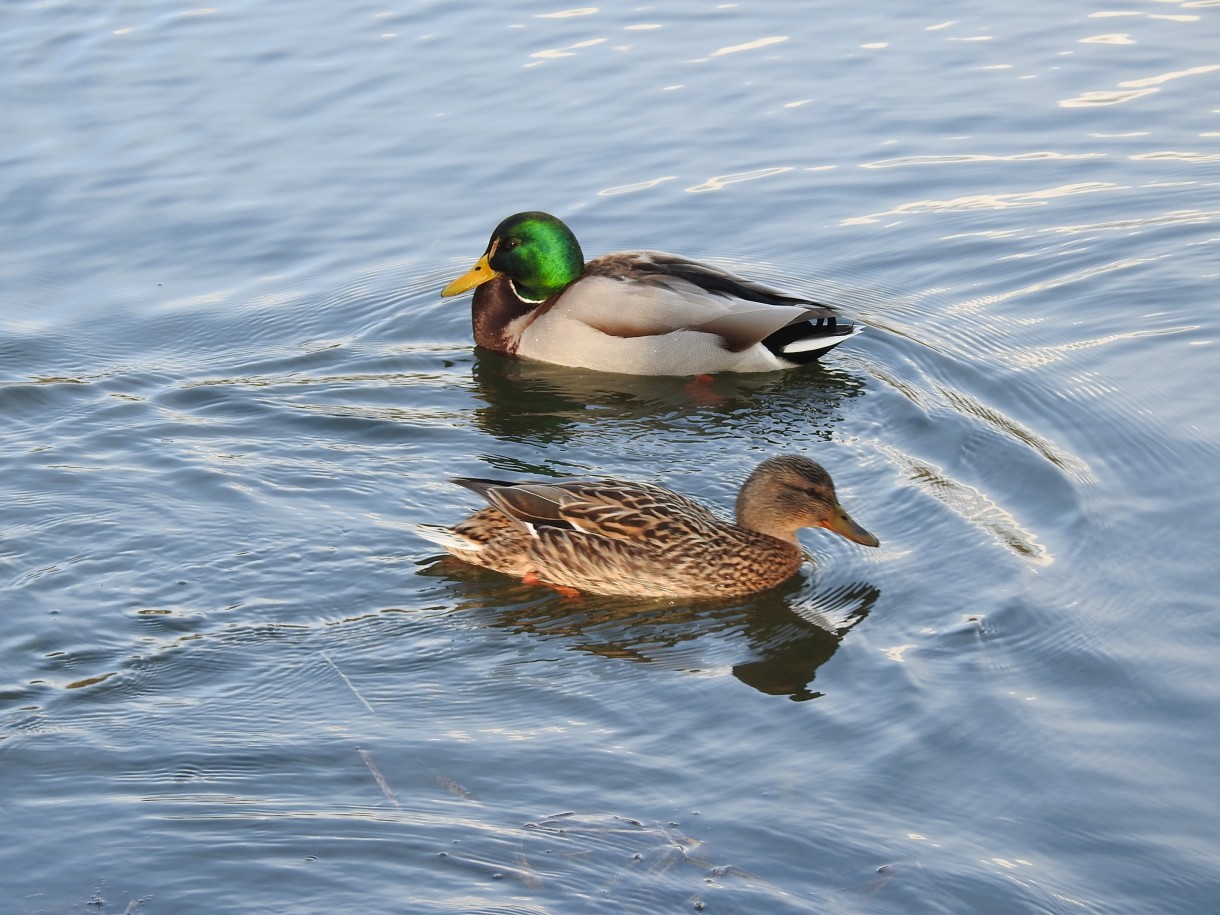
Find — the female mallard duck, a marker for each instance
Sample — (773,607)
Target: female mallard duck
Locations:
(613,537)
(636,312)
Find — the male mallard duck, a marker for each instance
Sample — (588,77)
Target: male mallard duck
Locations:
(636,312)
(613,537)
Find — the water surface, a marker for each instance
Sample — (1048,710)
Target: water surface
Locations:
(233,680)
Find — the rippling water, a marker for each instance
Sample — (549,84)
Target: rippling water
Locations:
(233,680)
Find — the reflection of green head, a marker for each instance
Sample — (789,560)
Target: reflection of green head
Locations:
(537,252)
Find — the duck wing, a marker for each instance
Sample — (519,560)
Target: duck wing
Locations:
(613,509)
(660,267)
(642,293)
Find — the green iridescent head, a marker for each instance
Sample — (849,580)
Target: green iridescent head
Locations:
(535,250)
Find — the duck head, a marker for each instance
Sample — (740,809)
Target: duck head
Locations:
(536,252)
(788,492)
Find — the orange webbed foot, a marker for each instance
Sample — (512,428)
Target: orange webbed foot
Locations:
(700,390)
(532,578)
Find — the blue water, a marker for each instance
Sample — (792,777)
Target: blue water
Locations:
(234,681)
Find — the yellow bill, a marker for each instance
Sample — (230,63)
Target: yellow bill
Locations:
(477,275)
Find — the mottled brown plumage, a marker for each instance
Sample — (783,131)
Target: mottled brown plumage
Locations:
(616,537)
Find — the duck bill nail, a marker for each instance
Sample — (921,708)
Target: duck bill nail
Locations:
(477,275)
(843,525)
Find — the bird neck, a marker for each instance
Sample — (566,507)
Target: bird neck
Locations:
(493,312)
(757,515)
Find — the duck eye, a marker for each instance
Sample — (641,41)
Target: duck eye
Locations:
(512,243)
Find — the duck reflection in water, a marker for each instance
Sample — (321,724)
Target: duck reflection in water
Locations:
(774,643)
(540,404)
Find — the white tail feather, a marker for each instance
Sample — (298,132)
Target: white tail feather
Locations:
(813,344)
(443,537)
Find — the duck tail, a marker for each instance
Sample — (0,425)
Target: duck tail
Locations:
(446,538)
(479,485)
(805,341)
